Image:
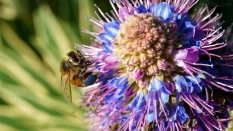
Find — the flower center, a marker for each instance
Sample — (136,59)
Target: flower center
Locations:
(144,42)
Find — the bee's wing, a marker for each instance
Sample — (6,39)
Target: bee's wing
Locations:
(63,81)
(65,86)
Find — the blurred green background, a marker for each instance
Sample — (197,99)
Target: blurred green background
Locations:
(35,36)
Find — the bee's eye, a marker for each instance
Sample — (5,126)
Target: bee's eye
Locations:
(75,59)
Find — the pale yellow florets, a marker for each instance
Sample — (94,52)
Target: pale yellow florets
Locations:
(145,42)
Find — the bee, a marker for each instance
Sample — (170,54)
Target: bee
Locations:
(73,71)
(114,127)
(151,126)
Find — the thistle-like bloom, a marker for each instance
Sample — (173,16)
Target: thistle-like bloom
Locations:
(159,68)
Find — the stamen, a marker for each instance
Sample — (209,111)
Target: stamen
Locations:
(102,22)
(210,21)
(110,17)
(231,56)
(214,32)
(114,8)
(190,102)
(201,71)
(218,47)
(134,2)
(141,2)
(96,22)
(147,3)
(119,5)
(89,32)
(226,85)
(208,15)
(97,28)
(114,15)
(207,53)
(183,5)
(216,37)
(102,13)
(199,13)
(214,45)
(201,64)
(191,5)
(217,85)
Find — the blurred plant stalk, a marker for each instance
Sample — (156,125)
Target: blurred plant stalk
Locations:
(33,41)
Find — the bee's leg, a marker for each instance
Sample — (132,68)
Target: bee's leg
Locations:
(81,82)
(76,81)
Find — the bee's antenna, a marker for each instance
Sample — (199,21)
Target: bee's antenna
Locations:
(80,54)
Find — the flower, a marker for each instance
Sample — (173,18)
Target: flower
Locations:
(159,68)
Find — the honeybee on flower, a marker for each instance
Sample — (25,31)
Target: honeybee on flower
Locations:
(73,72)
(160,68)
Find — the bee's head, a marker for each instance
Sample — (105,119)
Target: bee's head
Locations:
(75,57)
(72,54)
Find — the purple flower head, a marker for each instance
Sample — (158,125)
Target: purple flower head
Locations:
(159,68)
